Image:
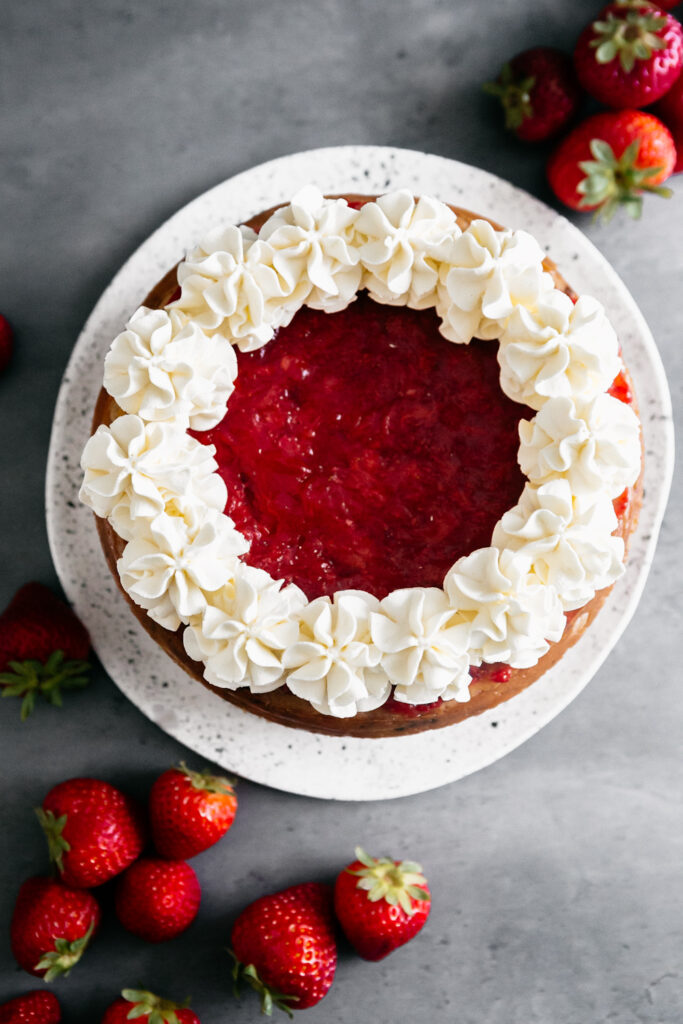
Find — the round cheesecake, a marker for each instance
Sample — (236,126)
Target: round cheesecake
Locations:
(364,452)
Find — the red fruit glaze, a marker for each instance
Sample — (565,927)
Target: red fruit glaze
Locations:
(621,389)
(289,938)
(618,129)
(362,450)
(37,1007)
(104,828)
(411,710)
(649,78)
(6,342)
(189,812)
(157,899)
(118,1013)
(45,911)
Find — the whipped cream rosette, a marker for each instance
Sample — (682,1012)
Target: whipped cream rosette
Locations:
(174,369)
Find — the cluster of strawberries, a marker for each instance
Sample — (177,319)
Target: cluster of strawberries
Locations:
(283,944)
(630,57)
(96,833)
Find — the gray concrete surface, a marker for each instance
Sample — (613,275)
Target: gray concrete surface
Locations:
(557,871)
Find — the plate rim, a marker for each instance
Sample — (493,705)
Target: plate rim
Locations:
(656,499)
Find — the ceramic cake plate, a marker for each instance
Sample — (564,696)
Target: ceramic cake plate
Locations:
(311,764)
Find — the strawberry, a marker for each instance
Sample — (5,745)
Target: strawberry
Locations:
(43,647)
(38,1007)
(631,55)
(538,91)
(283,946)
(93,830)
(157,899)
(380,903)
(611,159)
(6,342)
(189,811)
(147,1008)
(51,926)
(670,111)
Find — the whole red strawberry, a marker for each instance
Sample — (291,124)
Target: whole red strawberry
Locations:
(284,947)
(670,111)
(37,1007)
(189,811)
(539,92)
(42,647)
(631,55)
(51,926)
(147,1008)
(94,831)
(610,160)
(157,899)
(6,342)
(380,903)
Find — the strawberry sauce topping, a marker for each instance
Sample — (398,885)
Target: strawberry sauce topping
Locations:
(363,450)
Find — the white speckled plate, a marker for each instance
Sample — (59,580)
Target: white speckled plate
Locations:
(288,759)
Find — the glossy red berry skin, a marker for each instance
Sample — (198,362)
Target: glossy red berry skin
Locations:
(157,899)
(376,927)
(647,80)
(45,911)
(6,342)
(539,93)
(288,937)
(670,111)
(104,828)
(618,129)
(189,812)
(39,1007)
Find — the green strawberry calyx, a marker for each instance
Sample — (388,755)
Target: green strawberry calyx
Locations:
(53,828)
(207,782)
(65,955)
(616,181)
(514,93)
(28,678)
(399,883)
(146,1004)
(270,997)
(630,35)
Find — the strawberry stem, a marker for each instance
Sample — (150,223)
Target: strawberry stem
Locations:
(53,827)
(514,94)
(28,678)
(65,955)
(630,35)
(397,883)
(208,782)
(154,1008)
(270,997)
(611,182)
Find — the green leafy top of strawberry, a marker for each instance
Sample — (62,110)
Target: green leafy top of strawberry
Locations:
(65,955)
(270,997)
(385,879)
(630,35)
(28,678)
(146,1004)
(616,181)
(206,781)
(53,827)
(514,93)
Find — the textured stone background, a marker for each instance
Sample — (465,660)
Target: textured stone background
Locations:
(557,871)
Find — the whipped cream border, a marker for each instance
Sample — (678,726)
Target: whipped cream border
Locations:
(174,368)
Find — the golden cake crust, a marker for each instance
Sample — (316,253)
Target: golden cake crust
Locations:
(284,707)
